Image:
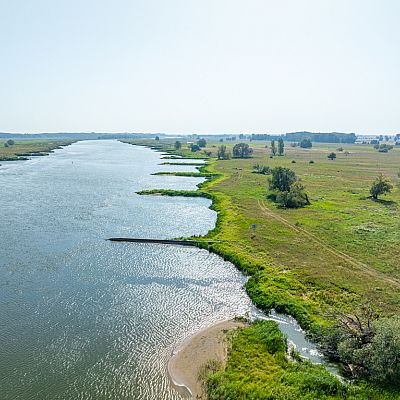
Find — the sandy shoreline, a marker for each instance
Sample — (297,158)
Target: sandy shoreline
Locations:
(208,344)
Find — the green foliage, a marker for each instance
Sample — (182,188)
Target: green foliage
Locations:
(202,143)
(375,356)
(222,153)
(178,145)
(242,150)
(295,198)
(281,147)
(282,179)
(257,368)
(383,147)
(306,143)
(290,192)
(380,186)
(157,138)
(332,156)
(273,148)
(194,147)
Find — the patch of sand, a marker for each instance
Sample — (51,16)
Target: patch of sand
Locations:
(209,344)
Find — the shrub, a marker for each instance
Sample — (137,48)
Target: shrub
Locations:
(332,156)
(306,143)
(261,169)
(194,147)
(202,143)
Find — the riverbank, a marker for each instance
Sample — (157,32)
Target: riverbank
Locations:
(309,263)
(208,346)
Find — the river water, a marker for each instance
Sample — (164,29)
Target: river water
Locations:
(85,318)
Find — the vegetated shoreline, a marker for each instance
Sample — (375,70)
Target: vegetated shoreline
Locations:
(207,345)
(281,292)
(216,205)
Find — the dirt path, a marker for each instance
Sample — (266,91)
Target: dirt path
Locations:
(347,258)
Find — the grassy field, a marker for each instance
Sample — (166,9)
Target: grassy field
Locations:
(333,255)
(22,149)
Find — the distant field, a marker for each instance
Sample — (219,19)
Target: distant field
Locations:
(21,149)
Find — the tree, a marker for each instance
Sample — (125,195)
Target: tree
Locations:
(282,179)
(370,345)
(242,150)
(222,153)
(306,143)
(10,142)
(332,156)
(281,147)
(287,191)
(202,143)
(194,147)
(295,198)
(273,148)
(157,138)
(177,145)
(381,185)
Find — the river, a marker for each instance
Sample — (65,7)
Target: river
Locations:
(84,318)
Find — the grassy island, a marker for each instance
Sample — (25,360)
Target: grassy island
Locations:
(317,263)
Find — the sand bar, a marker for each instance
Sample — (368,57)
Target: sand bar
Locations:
(208,344)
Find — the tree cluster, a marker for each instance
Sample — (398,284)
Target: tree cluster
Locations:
(368,345)
(306,143)
(242,150)
(222,153)
(286,190)
(261,169)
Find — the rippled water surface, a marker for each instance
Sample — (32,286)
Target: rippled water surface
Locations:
(84,318)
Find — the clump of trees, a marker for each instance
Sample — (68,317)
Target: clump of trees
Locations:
(194,147)
(383,147)
(242,150)
(306,143)
(286,189)
(381,185)
(202,143)
(222,153)
(178,145)
(261,169)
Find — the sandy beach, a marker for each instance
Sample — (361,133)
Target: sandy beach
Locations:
(208,344)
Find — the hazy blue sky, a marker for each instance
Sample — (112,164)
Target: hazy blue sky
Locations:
(200,66)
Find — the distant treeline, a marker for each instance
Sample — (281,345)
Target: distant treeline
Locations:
(77,135)
(331,137)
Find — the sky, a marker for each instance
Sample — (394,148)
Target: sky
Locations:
(200,66)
